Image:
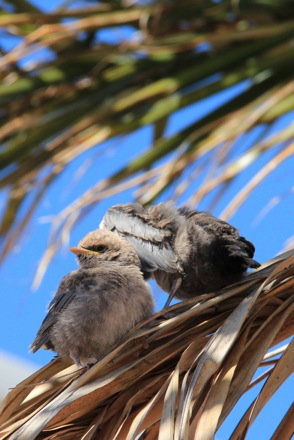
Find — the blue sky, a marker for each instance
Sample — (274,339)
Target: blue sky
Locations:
(23,310)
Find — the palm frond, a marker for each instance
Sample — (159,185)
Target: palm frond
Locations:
(171,378)
(86,90)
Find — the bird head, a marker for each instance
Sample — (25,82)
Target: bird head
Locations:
(102,245)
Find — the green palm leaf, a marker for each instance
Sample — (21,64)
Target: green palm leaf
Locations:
(87,91)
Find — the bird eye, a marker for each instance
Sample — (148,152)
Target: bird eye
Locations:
(99,249)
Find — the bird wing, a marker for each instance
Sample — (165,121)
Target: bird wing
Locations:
(228,238)
(150,232)
(64,295)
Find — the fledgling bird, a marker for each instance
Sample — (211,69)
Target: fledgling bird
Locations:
(187,252)
(96,305)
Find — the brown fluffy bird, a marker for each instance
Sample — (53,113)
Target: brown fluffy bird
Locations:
(187,252)
(96,305)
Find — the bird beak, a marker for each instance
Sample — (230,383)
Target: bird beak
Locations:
(79,251)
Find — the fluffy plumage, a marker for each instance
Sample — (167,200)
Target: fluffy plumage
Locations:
(187,252)
(96,305)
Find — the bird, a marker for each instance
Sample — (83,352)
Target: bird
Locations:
(97,304)
(187,252)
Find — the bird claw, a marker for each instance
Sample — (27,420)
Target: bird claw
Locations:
(89,362)
(168,315)
(82,363)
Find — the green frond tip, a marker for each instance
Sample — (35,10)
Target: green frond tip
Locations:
(66,89)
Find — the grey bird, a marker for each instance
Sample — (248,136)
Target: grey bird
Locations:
(187,252)
(96,305)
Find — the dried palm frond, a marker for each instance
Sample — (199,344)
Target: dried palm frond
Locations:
(172,377)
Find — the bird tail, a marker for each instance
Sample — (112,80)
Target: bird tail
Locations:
(253,264)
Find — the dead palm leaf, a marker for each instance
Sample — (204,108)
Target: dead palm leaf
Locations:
(175,378)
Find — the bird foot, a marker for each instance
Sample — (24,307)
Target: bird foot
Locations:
(88,363)
(168,315)
(82,363)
